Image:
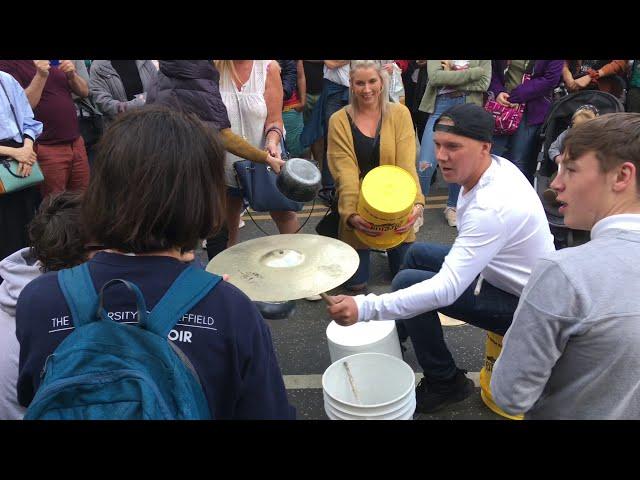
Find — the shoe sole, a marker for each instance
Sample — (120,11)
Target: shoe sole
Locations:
(468,391)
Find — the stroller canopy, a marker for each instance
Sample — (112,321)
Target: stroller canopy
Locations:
(559,118)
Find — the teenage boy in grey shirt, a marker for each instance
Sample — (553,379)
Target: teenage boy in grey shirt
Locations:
(573,349)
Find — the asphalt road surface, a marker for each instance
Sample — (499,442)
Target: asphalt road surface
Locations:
(301,343)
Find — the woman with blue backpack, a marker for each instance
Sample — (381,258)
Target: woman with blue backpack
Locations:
(136,333)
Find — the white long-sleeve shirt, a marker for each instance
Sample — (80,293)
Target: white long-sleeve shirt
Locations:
(503,230)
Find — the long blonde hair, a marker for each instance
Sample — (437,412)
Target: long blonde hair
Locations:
(227,67)
(383,100)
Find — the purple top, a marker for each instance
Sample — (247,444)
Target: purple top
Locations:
(537,93)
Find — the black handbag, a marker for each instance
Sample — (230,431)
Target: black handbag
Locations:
(90,121)
(258,185)
(329,224)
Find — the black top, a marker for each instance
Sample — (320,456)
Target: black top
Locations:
(367,149)
(130,76)
(313,73)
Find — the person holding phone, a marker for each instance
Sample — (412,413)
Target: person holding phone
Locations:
(61,152)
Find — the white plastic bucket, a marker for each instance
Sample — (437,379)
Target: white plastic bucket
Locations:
(376,336)
(384,388)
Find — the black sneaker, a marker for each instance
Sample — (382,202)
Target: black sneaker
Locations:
(433,396)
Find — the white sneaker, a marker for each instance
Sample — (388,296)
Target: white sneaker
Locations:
(241,223)
(450,215)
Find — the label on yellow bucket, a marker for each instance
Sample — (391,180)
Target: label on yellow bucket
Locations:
(492,352)
(386,199)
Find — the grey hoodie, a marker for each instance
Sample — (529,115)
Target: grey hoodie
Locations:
(17,270)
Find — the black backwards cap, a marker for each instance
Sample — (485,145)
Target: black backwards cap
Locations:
(469,120)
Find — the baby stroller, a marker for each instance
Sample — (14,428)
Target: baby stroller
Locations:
(558,119)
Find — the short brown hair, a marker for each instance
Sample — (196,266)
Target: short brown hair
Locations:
(156,183)
(55,233)
(613,138)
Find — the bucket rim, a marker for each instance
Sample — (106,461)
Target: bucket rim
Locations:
(373,405)
(401,410)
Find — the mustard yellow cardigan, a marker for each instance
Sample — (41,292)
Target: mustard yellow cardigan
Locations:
(397,147)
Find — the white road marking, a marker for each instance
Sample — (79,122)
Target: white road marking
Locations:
(305,382)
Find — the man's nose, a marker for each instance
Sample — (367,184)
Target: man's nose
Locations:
(557,183)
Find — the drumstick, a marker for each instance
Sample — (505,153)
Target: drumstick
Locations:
(327,299)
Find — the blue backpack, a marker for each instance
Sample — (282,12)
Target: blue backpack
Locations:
(106,370)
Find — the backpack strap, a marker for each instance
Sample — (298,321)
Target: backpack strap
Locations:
(191,286)
(80,294)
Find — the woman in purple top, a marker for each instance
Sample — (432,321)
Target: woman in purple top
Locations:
(508,88)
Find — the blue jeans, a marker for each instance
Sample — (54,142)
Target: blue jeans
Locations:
(519,148)
(427,161)
(395,256)
(335,101)
(491,310)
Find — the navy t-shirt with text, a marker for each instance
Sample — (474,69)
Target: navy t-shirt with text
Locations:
(224,336)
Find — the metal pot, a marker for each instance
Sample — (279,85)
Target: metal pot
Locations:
(299,180)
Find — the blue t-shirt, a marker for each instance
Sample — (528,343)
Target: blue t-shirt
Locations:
(224,336)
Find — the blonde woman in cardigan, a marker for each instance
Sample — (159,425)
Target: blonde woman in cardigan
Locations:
(352,151)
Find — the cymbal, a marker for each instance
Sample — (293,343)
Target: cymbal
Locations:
(285,267)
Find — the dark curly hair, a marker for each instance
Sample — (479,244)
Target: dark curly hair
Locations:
(55,233)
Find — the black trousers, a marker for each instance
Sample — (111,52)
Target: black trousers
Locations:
(218,242)
(17,209)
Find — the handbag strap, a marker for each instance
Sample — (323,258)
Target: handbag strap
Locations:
(15,117)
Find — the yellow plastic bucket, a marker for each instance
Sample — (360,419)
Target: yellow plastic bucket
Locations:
(492,351)
(387,196)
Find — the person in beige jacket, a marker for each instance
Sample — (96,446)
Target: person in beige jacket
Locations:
(367,133)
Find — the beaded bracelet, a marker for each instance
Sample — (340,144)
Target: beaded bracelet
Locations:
(274,128)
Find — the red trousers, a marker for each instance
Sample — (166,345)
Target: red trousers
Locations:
(64,166)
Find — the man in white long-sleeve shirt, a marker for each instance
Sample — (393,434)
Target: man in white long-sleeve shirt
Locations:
(573,350)
(503,230)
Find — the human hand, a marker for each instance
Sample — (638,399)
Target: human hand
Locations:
(583,82)
(24,169)
(388,67)
(299,107)
(275,163)
(344,310)
(188,256)
(42,67)
(571,85)
(359,223)
(68,67)
(446,64)
(25,155)
(415,213)
(503,99)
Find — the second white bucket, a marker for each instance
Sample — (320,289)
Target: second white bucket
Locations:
(376,336)
(369,386)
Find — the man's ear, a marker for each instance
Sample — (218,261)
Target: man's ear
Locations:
(486,147)
(625,177)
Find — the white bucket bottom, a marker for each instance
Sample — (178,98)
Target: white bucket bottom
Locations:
(372,386)
(376,336)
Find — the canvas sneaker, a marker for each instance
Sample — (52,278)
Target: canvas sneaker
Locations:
(450,215)
(433,396)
